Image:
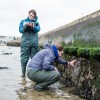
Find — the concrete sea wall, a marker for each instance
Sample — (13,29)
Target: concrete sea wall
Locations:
(84,31)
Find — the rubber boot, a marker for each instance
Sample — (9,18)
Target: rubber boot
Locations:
(23,69)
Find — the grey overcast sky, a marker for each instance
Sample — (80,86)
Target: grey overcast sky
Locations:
(51,13)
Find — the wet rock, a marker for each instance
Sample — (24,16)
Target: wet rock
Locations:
(75,73)
(13,43)
(3,68)
(7,53)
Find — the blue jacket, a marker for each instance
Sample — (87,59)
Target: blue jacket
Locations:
(23,22)
(45,59)
(29,37)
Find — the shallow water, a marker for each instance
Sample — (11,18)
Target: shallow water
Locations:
(13,87)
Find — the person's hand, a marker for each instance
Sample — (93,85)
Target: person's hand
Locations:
(28,24)
(72,63)
(31,24)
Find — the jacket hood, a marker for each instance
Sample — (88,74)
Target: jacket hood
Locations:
(47,46)
(53,48)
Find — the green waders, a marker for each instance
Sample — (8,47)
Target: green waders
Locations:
(43,78)
(29,47)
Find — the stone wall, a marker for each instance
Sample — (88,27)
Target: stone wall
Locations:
(84,78)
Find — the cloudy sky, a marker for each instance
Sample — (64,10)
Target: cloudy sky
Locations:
(51,13)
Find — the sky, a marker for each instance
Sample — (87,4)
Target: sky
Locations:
(51,13)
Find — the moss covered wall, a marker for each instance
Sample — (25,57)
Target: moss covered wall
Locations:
(84,77)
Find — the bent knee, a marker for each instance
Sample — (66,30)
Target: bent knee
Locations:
(58,76)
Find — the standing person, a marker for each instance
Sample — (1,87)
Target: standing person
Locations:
(29,28)
(41,67)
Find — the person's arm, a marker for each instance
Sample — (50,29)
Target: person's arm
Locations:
(69,63)
(47,62)
(36,27)
(21,29)
(61,61)
(23,26)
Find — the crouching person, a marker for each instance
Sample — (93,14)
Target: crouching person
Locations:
(41,67)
